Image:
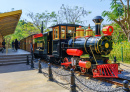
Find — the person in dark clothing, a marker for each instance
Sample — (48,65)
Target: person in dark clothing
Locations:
(3,44)
(16,44)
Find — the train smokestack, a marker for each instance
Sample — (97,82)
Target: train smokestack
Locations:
(98,20)
(42,27)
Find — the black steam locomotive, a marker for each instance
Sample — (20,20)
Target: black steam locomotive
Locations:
(66,43)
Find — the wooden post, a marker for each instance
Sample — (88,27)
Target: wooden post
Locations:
(32,64)
(129,36)
(122,53)
(115,59)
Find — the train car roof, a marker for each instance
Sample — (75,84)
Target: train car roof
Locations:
(72,25)
(28,36)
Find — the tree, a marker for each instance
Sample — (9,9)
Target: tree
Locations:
(120,14)
(72,14)
(117,36)
(23,29)
(46,17)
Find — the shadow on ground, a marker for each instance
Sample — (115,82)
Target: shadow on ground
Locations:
(14,68)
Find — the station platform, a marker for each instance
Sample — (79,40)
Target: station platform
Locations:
(13,52)
(11,57)
(20,78)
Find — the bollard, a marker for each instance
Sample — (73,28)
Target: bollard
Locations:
(39,66)
(72,85)
(125,86)
(50,72)
(27,60)
(32,64)
(115,59)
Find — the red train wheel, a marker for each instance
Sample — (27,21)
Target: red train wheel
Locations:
(83,70)
(66,60)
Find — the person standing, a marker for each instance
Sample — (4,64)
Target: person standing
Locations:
(3,44)
(16,44)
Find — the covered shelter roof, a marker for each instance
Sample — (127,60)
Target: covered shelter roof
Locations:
(8,22)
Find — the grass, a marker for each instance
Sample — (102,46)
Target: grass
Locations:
(117,51)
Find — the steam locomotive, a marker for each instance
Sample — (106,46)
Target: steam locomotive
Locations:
(66,43)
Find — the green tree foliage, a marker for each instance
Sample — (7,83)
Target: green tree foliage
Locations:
(120,14)
(118,34)
(23,30)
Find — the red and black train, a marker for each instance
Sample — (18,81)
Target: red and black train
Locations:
(66,44)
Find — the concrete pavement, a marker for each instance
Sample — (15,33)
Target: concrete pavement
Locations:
(20,78)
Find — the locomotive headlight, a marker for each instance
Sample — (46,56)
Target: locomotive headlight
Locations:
(88,64)
(106,45)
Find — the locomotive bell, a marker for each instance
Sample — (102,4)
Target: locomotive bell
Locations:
(89,32)
(79,32)
(98,20)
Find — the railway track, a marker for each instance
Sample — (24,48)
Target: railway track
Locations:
(91,76)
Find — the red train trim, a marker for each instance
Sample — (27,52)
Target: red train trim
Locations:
(97,35)
(37,35)
(74,52)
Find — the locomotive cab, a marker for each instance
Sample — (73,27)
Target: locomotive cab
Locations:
(62,33)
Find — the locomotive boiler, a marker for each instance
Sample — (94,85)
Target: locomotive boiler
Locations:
(66,44)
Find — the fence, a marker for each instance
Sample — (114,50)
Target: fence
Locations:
(70,81)
(121,51)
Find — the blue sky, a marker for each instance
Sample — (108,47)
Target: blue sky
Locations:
(39,6)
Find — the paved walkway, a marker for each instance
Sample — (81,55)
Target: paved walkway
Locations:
(20,78)
(12,52)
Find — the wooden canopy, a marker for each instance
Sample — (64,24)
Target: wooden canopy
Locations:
(8,22)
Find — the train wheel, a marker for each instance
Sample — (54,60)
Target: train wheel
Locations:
(66,60)
(83,70)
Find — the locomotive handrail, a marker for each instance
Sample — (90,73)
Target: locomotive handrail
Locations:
(93,55)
